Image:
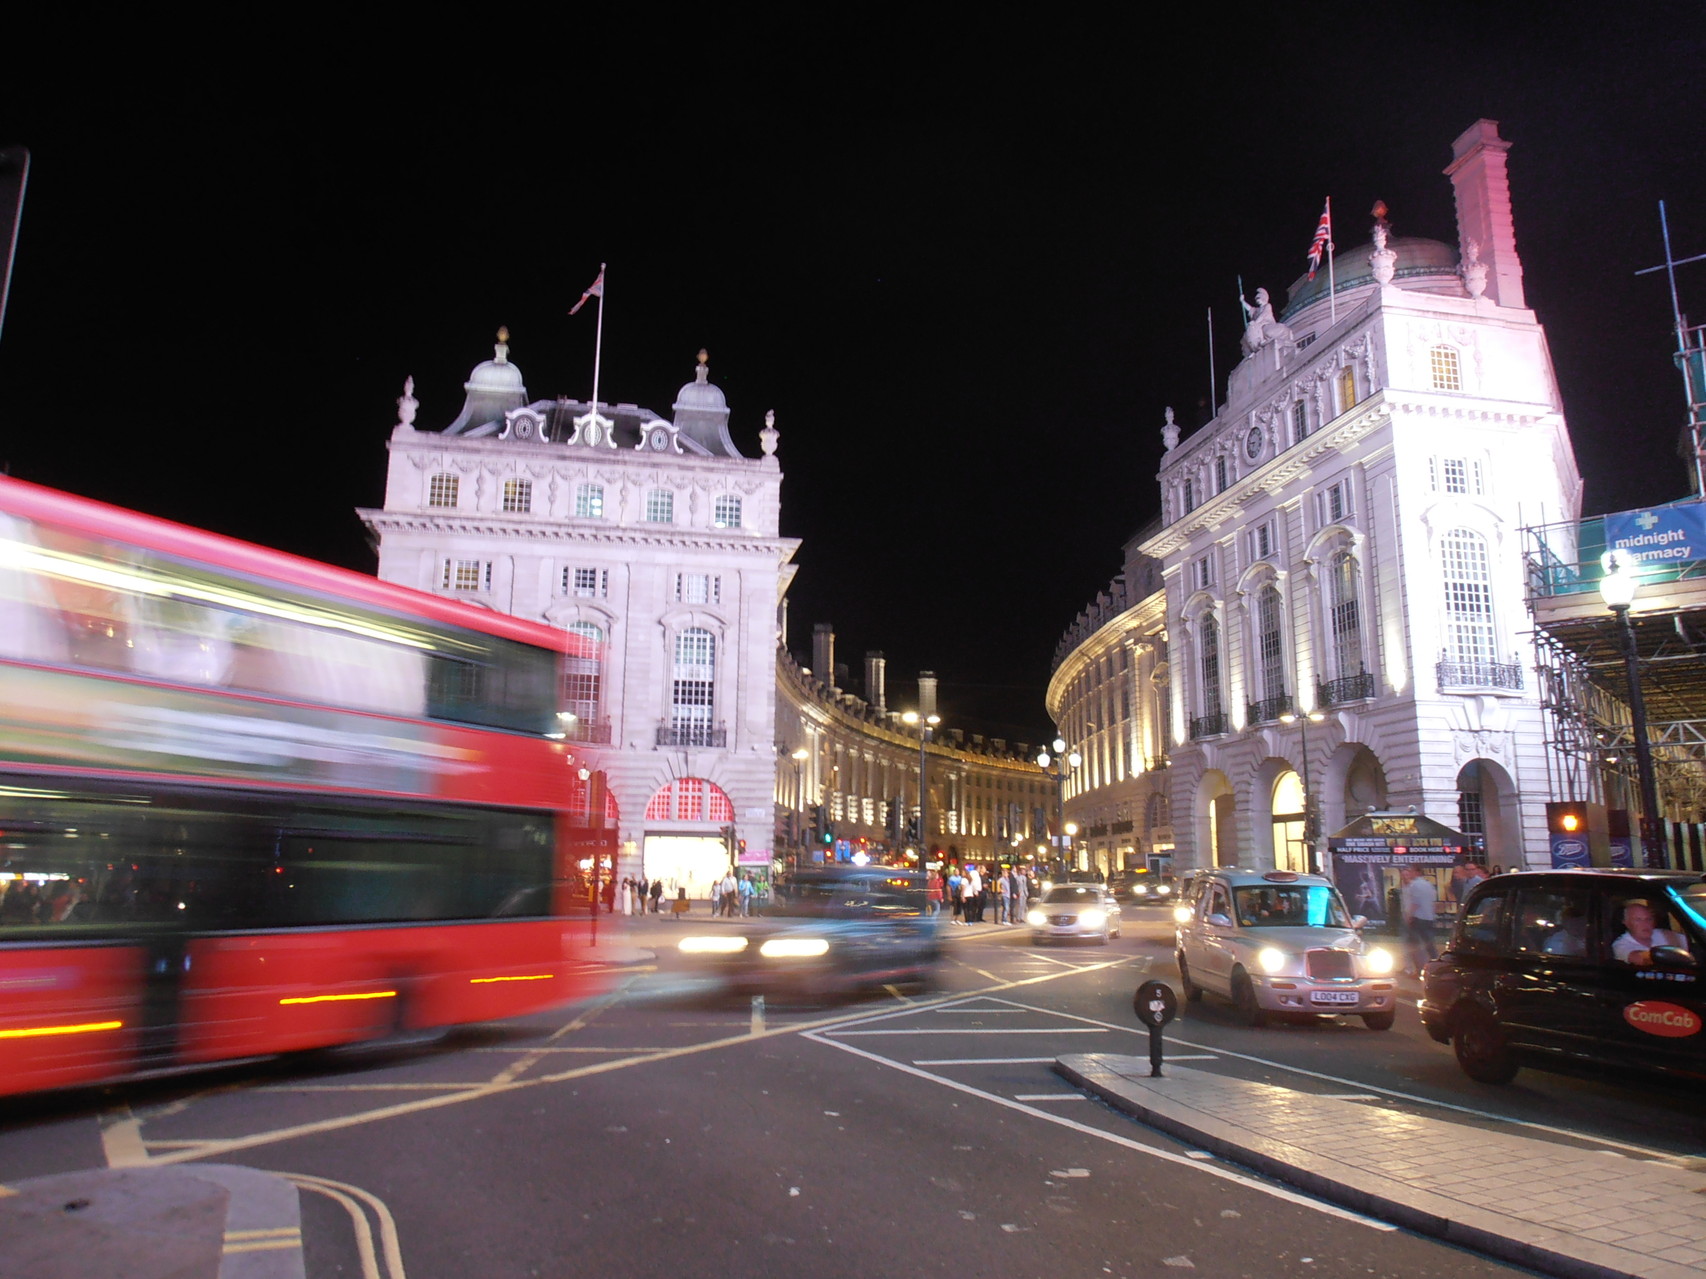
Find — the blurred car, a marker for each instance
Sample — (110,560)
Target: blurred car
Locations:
(1068,912)
(829,931)
(1141,888)
(1575,967)
(1280,942)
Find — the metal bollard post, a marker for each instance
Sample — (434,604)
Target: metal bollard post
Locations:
(1155,1005)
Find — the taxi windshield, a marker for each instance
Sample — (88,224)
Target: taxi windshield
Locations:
(1290,906)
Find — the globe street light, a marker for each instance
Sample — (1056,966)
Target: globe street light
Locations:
(1064,764)
(926,725)
(1311,826)
(1617,589)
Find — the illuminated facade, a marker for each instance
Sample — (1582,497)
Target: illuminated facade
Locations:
(656,540)
(1342,539)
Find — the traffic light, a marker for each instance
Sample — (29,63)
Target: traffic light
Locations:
(1578,833)
(1567,817)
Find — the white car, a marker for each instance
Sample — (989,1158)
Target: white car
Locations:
(1279,942)
(1067,912)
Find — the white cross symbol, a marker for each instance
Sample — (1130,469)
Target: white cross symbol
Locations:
(1646,519)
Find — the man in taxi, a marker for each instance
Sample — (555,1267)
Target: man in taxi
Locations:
(1636,944)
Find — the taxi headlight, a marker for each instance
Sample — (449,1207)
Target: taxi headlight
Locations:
(1093,918)
(1182,914)
(1163,890)
(1035,918)
(1140,890)
(727,944)
(1270,960)
(794,947)
(1378,961)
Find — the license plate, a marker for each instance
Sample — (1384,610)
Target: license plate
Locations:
(1333,996)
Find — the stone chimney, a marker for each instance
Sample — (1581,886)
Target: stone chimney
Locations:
(926,693)
(1479,178)
(875,680)
(823,652)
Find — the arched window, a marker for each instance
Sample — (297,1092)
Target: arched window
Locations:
(690,799)
(1443,365)
(583,682)
(442,490)
(692,701)
(1347,388)
(1344,619)
(1270,648)
(1469,633)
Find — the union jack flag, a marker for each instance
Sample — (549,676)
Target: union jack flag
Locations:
(593,290)
(1323,241)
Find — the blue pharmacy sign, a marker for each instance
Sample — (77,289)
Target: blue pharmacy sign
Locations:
(1569,851)
(1660,535)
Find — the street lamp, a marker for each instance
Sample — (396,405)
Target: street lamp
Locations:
(1064,764)
(799,757)
(926,725)
(1311,823)
(1617,589)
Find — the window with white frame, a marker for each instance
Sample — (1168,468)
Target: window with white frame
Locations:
(1190,496)
(692,701)
(466,575)
(518,497)
(442,490)
(583,677)
(1220,473)
(586,583)
(1458,475)
(1270,647)
(698,588)
(1347,388)
(1469,632)
(1445,368)
(589,502)
(660,507)
(1335,502)
(1204,572)
(1209,650)
(726,512)
(1344,616)
(1261,542)
(1299,421)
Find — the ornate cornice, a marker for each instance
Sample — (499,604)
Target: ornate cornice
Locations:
(381,521)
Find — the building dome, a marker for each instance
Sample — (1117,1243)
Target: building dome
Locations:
(702,414)
(1419,260)
(494,388)
(497,373)
(701,393)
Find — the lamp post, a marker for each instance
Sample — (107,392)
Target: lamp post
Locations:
(1063,765)
(799,757)
(926,725)
(1617,588)
(1311,825)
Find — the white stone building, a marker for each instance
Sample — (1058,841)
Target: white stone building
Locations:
(654,538)
(1342,539)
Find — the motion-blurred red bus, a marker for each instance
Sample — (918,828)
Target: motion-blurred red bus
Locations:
(251,804)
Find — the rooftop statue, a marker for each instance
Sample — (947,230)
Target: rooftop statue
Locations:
(1261,328)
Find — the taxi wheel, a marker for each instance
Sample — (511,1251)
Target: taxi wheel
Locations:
(1244,999)
(1193,992)
(1481,1048)
(1379,1021)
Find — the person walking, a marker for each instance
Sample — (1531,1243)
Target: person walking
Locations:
(956,894)
(745,889)
(1419,900)
(1004,912)
(657,894)
(974,895)
(1021,894)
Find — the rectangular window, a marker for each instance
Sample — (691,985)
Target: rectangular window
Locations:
(589,502)
(1443,364)
(466,575)
(518,497)
(1336,503)
(698,588)
(660,507)
(442,491)
(1261,542)
(1190,496)
(1220,474)
(1299,422)
(1205,572)
(586,583)
(1347,388)
(727,511)
(1456,475)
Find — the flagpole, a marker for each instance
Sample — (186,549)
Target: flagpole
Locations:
(1332,288)
(1213,383)
(598,342)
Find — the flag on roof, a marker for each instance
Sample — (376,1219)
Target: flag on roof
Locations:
(593,290)
(1323,240)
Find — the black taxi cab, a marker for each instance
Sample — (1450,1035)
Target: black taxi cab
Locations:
(1568,967)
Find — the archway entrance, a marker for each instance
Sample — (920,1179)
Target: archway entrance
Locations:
(684,844)
(1290,852)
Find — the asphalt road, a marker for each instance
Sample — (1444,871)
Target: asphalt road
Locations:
(665,1131)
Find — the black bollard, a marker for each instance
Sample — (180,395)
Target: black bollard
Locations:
(1155,1005)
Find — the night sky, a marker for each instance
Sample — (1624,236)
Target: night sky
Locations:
(967,264)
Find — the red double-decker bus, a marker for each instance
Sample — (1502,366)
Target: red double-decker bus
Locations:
(251,804)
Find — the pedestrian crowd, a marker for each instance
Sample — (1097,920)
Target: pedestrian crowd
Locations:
(973,895)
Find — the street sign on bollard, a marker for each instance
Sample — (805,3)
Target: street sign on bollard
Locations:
(1155,1005)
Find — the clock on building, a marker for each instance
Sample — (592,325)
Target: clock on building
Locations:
(1253,443)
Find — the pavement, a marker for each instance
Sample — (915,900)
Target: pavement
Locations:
(1550,1206)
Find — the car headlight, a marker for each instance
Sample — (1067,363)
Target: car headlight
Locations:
(1378,961)
(794,947)
(1140,891)
(1035,918)
(727,944)
(1182,914)
(1270,960)
(1163,890)
(1093,918)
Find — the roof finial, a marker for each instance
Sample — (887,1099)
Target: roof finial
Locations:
(1169,431)
(500,353)
(703,372)
(768,436)
(407,404)
(1383,260)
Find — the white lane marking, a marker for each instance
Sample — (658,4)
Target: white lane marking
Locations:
(1191,1057)
(1356,1096)
(982,1012)
(1049,1096)
(981,1030)
(121,1140)
(1167,1156)
(981,1061)
(1644,1152)
(895,991)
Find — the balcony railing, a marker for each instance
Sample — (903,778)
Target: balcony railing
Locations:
(692,735)
(1456,675)
(1269,709)
(1351,688)
(595,733)
(1210,725)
